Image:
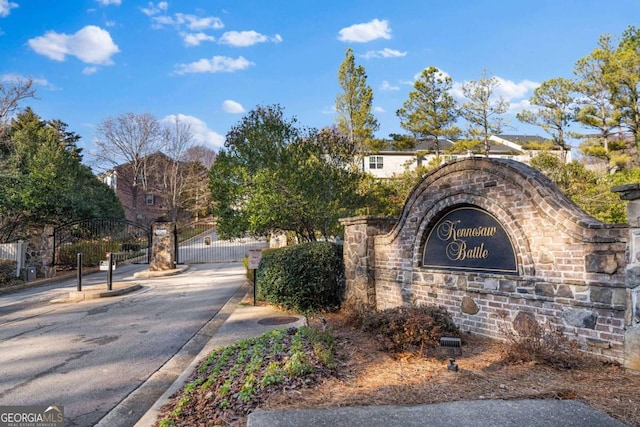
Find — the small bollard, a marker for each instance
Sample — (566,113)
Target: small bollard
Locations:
(110,271)
(79,271)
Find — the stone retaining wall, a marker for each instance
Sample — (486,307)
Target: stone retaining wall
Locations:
(572,269)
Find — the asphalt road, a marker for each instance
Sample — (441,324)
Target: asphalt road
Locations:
(89,356)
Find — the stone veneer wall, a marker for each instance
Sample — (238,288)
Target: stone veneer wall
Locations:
(571,267)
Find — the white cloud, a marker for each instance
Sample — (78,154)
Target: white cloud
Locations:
(516,107)
(516,94)
(509,90)
(441,74)
(109,2)
(17,78)
(246,38)
(199,129)
(328,110)
(190,27)
(6,6)
(196,23)
(91,45)
(384,53)
(217,64)
(89,70)
(379,110)
(232,107)
(194,39)
(191,22)
(387,86)
(361,33)
(155,9)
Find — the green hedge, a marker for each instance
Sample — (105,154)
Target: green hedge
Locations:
(7,270)
(307,278)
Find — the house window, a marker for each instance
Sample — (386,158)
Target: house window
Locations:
(149,199)
(376,162)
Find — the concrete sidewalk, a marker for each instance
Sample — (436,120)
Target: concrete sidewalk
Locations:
(503,413)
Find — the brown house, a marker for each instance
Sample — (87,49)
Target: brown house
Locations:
(144,187)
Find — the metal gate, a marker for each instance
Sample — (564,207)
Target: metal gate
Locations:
(198,242)
(95,237)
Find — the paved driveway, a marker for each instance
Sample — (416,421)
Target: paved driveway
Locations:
(88,356)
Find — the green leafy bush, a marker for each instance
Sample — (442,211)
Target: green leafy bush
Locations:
(7,270)
(410,328)
(307,278)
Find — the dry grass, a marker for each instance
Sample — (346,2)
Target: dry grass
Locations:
(370,376)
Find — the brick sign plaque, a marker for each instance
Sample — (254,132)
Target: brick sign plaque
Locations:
(469,239)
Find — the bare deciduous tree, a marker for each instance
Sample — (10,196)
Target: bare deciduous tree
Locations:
(129,139)
(177,139)
(11,93)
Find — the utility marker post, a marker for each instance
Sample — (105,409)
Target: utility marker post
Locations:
(255,255)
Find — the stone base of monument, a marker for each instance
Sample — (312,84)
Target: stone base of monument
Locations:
(632,349)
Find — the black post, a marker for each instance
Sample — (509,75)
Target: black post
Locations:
(176,245)
(110,272)
(255,292)
(79,271)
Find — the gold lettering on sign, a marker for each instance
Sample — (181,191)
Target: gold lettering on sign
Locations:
(457,249)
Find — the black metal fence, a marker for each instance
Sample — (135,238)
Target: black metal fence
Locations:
(198,242)
(96,237)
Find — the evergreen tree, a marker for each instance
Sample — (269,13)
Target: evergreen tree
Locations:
(430,112)
(482,110)
(353,106)
(557,102)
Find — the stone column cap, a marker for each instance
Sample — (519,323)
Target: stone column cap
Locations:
(627,191)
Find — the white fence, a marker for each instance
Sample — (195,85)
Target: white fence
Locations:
(15,252)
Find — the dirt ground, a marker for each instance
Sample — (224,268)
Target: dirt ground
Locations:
(369,376)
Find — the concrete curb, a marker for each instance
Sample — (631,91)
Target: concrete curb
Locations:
(92,293)
(147,274)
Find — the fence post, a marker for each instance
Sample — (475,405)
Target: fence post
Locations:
(20,256)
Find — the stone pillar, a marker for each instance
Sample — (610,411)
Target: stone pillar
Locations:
(163,255)
(359,258)
(631,193)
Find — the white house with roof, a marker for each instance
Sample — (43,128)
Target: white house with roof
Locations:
(390,161)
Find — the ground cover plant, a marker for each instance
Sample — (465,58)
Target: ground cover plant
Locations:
(233,380)
(360,370)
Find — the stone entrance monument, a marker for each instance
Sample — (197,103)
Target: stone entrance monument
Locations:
(495,241)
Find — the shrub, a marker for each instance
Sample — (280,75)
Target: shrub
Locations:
(528,341)
(7,271)
(307,278)
(412,328)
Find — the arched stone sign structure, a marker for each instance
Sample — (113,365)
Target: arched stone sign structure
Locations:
(553,261)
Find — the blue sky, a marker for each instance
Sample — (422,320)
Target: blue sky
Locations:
(212,61)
